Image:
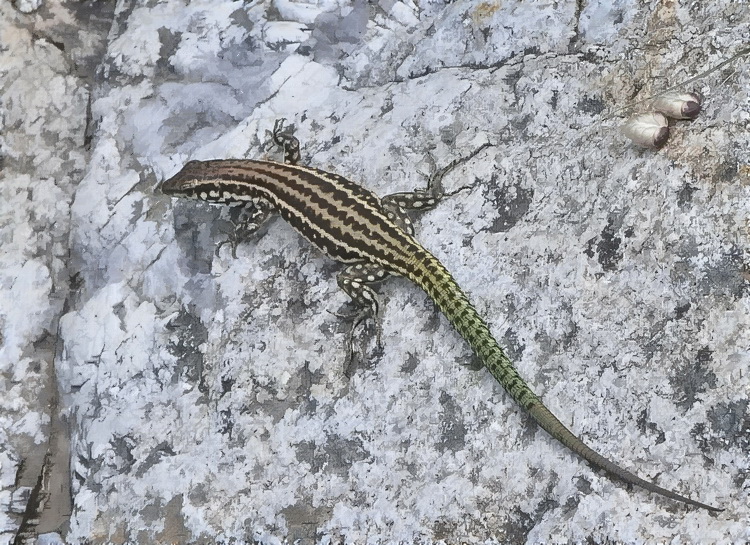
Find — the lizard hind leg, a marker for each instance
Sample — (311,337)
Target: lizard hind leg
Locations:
(397,204)
(356,281)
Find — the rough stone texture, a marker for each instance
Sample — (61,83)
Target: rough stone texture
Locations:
(46,62)
(204,394)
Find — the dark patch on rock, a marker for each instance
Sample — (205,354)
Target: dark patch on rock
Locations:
(512,203)
(693,378)
(453,434)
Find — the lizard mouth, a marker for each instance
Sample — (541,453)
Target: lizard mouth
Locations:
(173,186)
(184,182)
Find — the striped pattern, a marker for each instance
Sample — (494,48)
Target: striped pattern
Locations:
(349,224)
(340,217)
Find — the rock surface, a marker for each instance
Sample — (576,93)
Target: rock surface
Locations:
(170,394)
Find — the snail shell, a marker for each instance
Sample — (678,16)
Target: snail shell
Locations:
(649,130)
(679,105)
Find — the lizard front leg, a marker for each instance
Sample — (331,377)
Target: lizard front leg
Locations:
(286,141)
(247,220)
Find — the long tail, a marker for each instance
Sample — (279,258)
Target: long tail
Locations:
(435,279)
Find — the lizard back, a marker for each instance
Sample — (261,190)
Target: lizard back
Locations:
(345,220)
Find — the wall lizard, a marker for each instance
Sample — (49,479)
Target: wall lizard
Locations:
(374,237)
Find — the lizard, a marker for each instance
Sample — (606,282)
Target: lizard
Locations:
(374,238)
